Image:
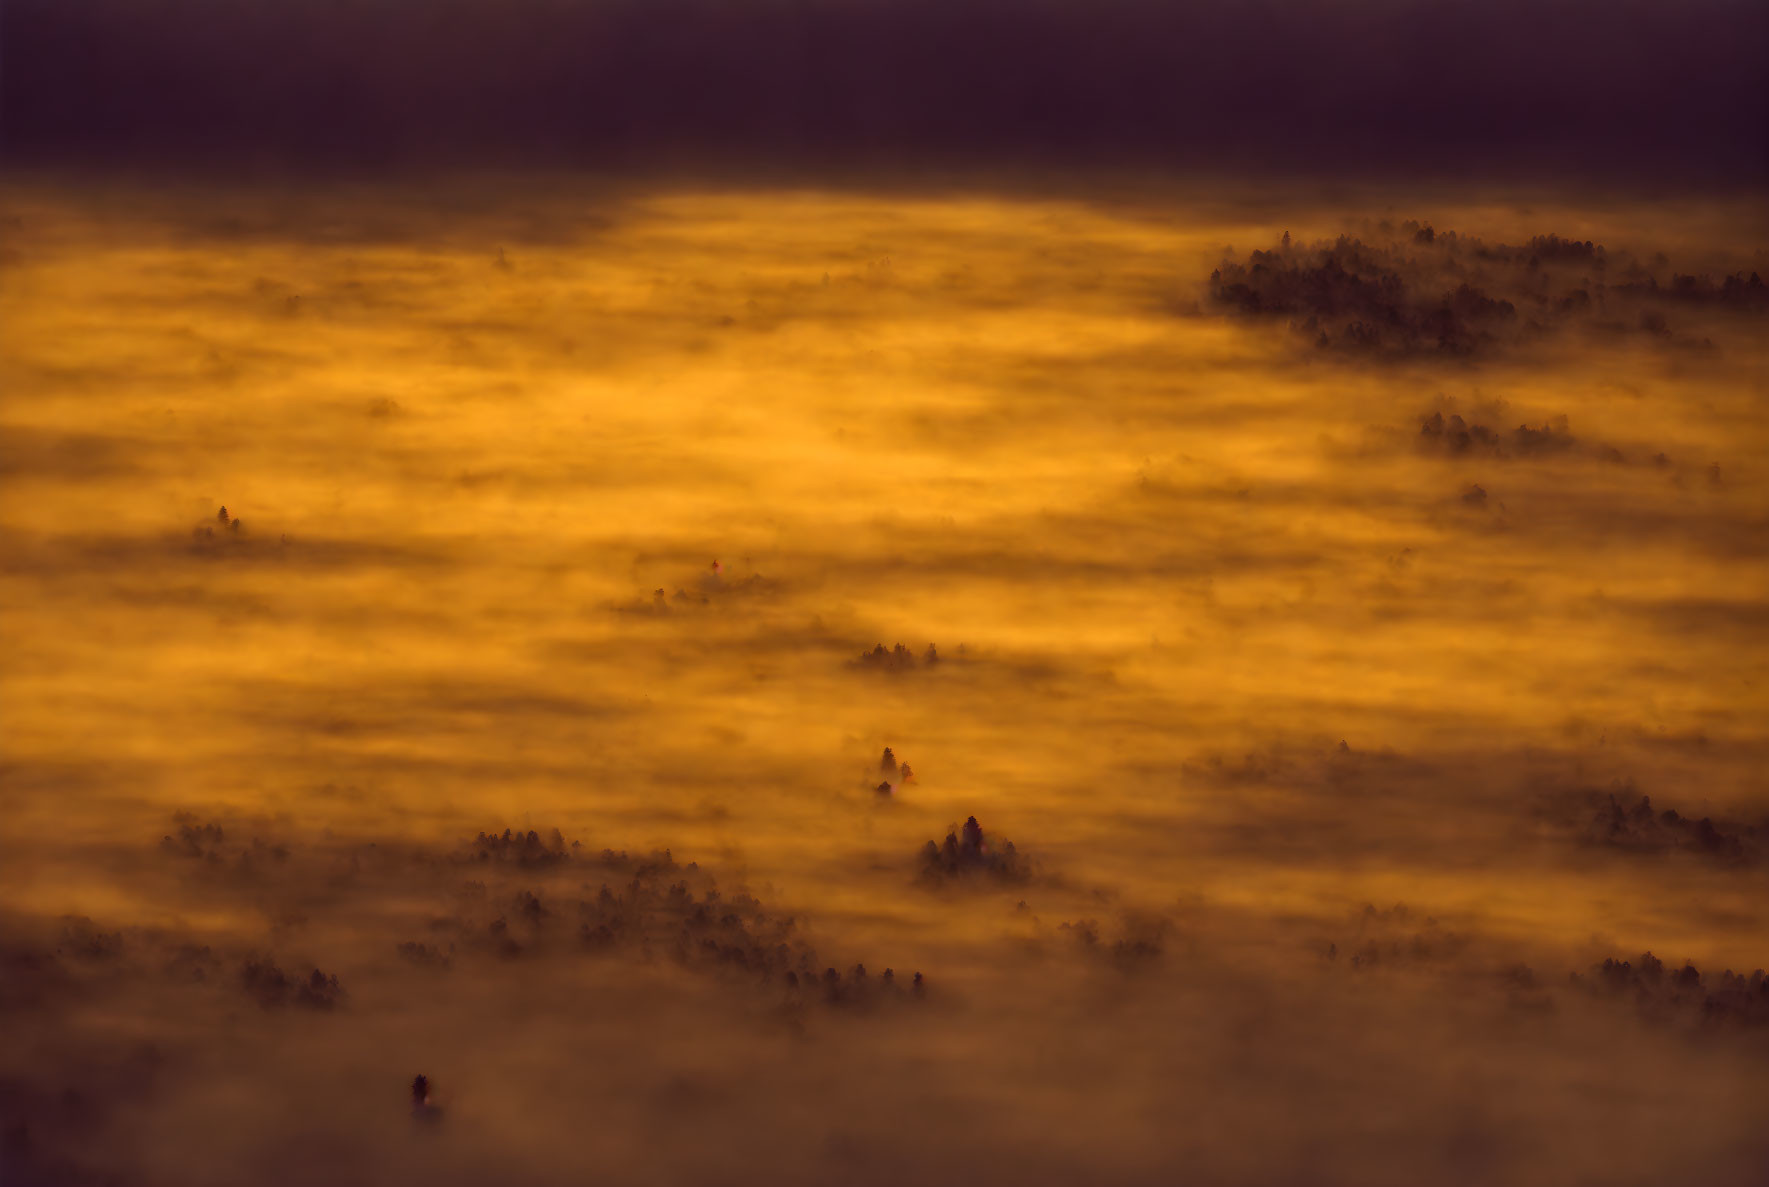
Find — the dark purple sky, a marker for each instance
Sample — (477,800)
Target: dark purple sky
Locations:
(1660,92)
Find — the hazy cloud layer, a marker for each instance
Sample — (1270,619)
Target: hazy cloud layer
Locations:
(628,587)
(503,952)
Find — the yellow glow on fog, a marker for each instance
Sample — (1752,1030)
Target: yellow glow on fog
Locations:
(1163,536)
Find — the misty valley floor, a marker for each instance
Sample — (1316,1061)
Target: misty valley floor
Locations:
(521,721)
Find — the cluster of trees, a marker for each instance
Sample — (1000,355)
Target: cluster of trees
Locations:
(270,986)
(967,853)
(1729,999)
(1457,437)
(1390,937)
(1349,295)
(1737,291)
(898,659)
(1433,291)
(1639,828)
(895,773)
